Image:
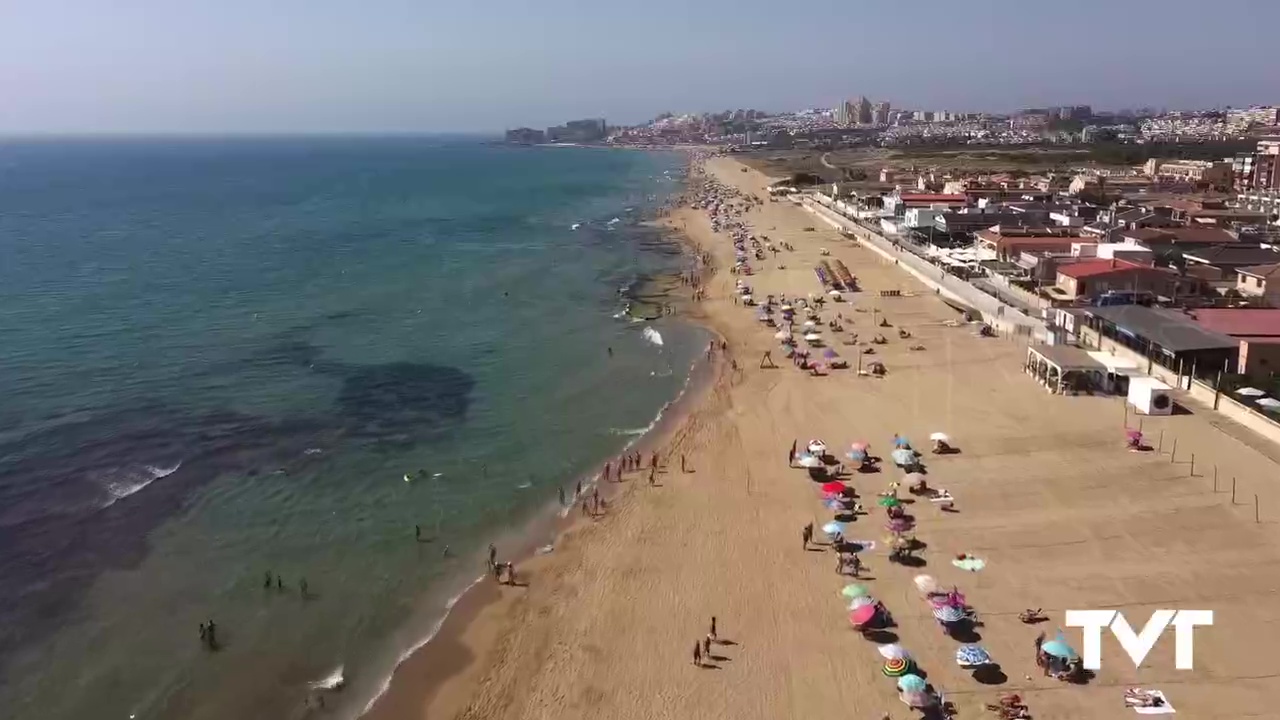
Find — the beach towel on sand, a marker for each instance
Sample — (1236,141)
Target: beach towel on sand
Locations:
(1164,709)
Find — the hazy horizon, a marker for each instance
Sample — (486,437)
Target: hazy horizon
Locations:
(153,67)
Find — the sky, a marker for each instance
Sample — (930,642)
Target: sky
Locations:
(317,66)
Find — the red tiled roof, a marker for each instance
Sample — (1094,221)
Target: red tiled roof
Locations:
(1092,268)
(1256,323)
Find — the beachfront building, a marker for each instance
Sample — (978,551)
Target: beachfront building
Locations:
(897,203)
(1159,336)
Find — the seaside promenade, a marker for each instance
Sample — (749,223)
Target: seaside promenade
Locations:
(1045,491)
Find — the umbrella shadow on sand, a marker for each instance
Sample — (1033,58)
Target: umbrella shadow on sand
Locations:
(990,675)
(881,637)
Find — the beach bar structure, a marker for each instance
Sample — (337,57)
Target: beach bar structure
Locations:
(1165,337)
(1063,368)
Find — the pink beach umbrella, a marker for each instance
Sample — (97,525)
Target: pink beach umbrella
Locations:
(863,615)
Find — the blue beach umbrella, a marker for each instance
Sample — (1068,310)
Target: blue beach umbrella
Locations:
(901,442)
(911,683)
(832,528)
(902,456)
(1059,648)
(858,455)
(970,655)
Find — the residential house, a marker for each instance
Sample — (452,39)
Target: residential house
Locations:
(1260,282)
(1088,281)
(1224,260)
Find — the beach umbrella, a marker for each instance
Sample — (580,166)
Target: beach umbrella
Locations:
(1133,434)
(939,437)
(860,601)
(854,590)
(902,442)
(802,352)
(787,308)
(833,503)
(896,667)
(810,324)
(832,528)
(856,455)
(919,699)
(925,583)
(912,684)
(1269,403)
(1251,392)
(860,446)
(830,354)
(834,293)
(808,461)
(913,478)
(970,563)
(902,456)
(888,501)
(833,487)
(893,650)
(1059,648)
(782,335)
(812,337)
(971,655)
(948,614)
(863,615)
(817,447)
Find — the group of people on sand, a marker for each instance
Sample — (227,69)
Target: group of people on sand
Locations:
(702,648)
(500,569)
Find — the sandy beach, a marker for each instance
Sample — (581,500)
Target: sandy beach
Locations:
(1045,490)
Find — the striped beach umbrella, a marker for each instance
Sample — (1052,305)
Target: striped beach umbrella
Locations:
(860,601)
(948,613)
(896,667)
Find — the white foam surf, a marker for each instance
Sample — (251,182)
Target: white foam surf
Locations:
(652,336)
(129,481)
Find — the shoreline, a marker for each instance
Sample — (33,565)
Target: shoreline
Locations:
(431,678)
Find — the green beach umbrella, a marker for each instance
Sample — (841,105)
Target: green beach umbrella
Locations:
(889,501)
(855,590)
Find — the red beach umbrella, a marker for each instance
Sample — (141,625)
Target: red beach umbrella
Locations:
(833,487)
(862,615)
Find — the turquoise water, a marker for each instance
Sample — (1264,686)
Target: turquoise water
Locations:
(220,358)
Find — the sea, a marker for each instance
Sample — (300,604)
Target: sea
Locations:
(223,359)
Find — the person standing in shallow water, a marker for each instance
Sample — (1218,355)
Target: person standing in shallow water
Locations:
(697,653)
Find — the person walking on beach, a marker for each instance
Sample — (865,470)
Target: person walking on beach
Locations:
(713,628)
(561,493)
(578,491)
(651,471)
(807,533)
(302,587)
(683,466)
(417,533)
(706,646)
(493,554)
(584,507)
(791,455)
(211,635)
(608,467)
(697,654)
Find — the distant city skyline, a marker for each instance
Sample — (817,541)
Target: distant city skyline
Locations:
(157,66)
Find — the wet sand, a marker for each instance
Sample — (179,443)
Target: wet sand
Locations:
(1046,493)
